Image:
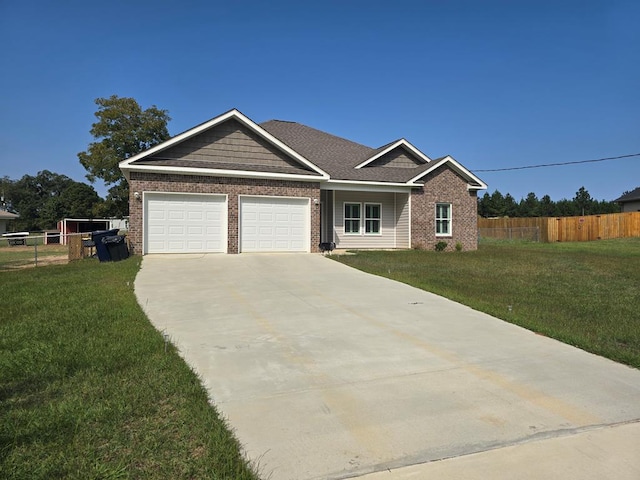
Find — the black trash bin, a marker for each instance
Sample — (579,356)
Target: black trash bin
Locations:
(101,248)
(116,246)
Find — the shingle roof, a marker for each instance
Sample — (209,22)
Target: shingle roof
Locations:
(314,153)
(338,156)
(629,197)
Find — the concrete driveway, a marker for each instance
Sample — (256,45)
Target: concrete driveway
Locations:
(325,372)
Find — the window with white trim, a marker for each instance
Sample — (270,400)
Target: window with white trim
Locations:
(352,218)
(372,218)
(443,219)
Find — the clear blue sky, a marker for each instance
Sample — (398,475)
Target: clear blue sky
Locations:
(495,84)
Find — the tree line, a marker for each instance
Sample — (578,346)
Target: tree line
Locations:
(498,205)
(43,199)
(122,129)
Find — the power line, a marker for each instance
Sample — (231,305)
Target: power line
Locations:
(558,164)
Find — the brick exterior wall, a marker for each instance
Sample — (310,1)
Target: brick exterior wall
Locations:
(233,187)
(444,186)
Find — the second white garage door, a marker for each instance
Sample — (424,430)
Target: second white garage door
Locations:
(185,223)
(274,224)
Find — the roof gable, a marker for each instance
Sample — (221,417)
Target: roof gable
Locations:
(230,144)
(419,157)
(474,182)
(399,157)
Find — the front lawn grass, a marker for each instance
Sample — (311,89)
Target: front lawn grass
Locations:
(88,391)
(585,294)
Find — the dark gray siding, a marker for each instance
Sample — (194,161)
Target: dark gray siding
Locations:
(229,143)
(398,158)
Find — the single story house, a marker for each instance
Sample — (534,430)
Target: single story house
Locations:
(231,185)
(630,202)
(5,218)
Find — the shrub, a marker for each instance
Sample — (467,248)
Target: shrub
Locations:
(458,247)
(440,246)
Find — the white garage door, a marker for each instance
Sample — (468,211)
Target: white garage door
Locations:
(272,224)
(184,223)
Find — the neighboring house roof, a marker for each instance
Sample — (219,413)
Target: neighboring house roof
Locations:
(289,150)
(4,215)
(632,196)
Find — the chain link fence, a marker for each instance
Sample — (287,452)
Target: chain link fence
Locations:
(25,250)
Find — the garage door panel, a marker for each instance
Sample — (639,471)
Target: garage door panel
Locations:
(273,224)
(176,215)
(185,223)
(175,230)
(196,230)
(213,216)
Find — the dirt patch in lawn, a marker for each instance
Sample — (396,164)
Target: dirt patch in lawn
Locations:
(42,262)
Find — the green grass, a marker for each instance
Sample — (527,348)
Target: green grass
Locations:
(87,390)
(584,294)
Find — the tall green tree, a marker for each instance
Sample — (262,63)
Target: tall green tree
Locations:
(547,207)
(483,205)
(510,206)
(529,206)
(123,130)
(47,197)
(6,185)
(583,202)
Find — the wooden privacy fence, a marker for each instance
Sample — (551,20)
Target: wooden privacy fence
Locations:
(569,229)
